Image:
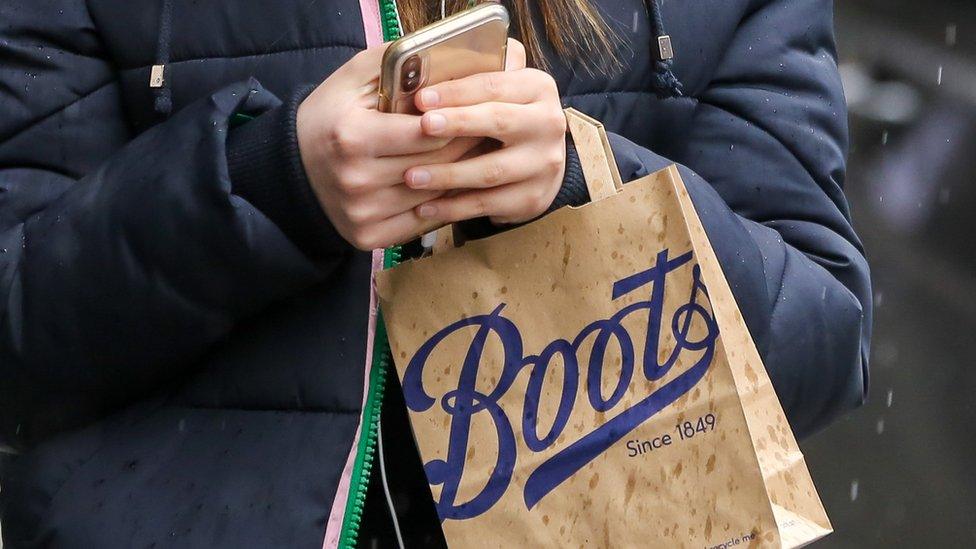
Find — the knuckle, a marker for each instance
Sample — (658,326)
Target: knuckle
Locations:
(500,121)
(352,180)
(492,85)
(444,177)
(458,121)
(538,76)
(346,141)
(545,81)
(356,213)
(356,238)
(364,238)
(556,121)
(494,173)
(555,161)
(539,201)
(480,205)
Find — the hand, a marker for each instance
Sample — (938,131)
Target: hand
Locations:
(355,157)
(517,182)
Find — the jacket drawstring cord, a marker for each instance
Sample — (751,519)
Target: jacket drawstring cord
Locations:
(163,101)
(666,84)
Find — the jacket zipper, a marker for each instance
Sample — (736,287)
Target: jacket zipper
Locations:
(366,452)
(382,360)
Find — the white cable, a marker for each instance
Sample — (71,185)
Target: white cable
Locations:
(386,487)
(428,240)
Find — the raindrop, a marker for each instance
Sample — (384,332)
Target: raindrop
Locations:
(889,397)
(182,425)
(878,299)
(884,137)
(950,34)
(939,79)
(880,426)
(854,490)
(944,195)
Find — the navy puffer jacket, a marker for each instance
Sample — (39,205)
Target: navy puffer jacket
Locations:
(183,335)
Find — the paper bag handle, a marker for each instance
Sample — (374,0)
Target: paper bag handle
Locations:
(595,155)
(596,159)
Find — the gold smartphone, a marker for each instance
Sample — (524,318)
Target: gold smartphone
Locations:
(470,42)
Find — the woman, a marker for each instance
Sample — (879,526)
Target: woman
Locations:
(184,226)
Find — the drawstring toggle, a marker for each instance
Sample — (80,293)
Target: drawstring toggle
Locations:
(157,78)
(664,49)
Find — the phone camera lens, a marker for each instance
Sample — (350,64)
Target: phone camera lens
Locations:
(411,74)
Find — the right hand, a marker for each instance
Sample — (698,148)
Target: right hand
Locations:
(355,156)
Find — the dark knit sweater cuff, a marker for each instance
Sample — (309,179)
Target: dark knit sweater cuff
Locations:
(266,169)
(573,191)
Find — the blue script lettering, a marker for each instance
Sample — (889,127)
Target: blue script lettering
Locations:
(464,402)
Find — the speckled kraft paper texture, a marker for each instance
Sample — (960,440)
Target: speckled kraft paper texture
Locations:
(587,381)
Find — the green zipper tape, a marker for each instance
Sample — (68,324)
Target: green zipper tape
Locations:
(382,361)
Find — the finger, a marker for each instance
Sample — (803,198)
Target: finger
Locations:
(398,229)
(514,55)
(387,202)
(517,86)
(377,173)
(391,134)
(365,135)
(501,121)
(505,204)
(501,167)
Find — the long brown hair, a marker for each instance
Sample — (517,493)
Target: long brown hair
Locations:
(575,29)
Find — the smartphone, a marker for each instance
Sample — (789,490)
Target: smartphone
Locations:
(470,42)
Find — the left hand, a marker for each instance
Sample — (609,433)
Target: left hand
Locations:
(517,182)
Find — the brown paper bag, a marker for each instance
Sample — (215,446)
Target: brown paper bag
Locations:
(588,380)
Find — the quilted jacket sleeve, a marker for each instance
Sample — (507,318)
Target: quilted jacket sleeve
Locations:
(121,259)
(764,159)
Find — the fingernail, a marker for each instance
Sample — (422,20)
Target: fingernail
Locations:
(430,98)
(436,123)
(419,179)
(427,210)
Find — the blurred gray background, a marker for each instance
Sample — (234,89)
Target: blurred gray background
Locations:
(900,471)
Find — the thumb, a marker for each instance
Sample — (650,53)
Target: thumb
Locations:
(515,56)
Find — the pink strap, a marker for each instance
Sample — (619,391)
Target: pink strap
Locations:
(372,23)
(373,27)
